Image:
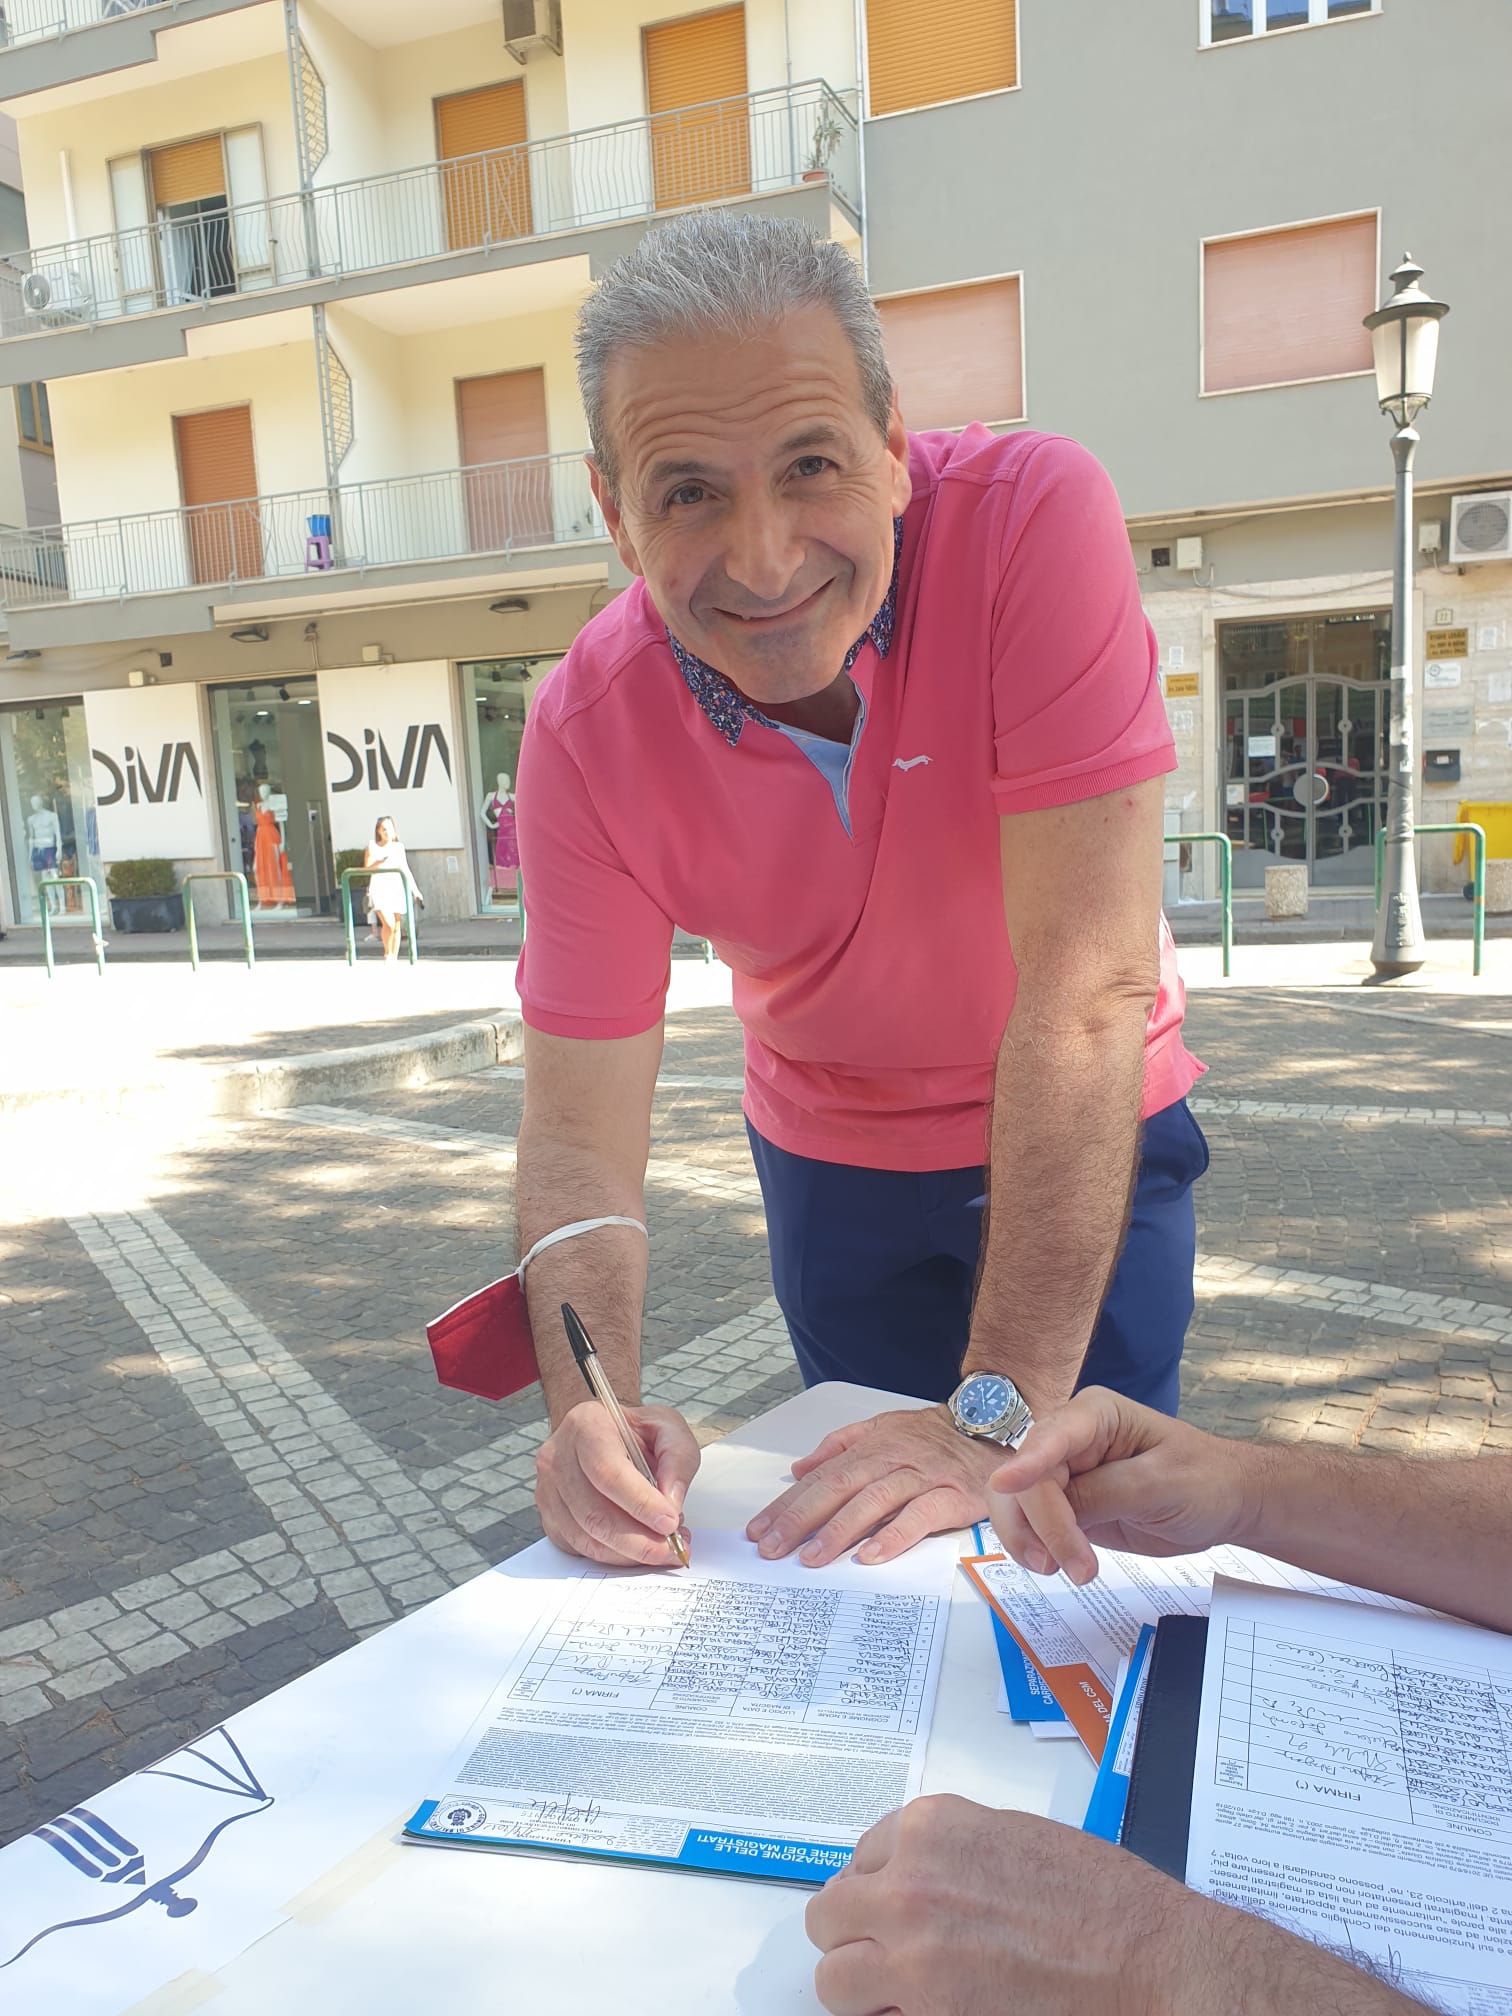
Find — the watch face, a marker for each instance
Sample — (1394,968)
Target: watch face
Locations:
(983,1401)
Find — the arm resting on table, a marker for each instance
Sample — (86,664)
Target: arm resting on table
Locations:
(1081,891)
(1433,1530)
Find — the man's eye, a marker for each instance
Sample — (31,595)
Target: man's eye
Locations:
(812,465)
(688,493)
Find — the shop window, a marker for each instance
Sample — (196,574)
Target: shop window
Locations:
(48,792)
(496,694)
(271,765)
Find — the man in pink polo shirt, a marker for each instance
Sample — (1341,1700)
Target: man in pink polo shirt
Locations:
(880,718)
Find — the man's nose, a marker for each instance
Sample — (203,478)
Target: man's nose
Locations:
(762,557)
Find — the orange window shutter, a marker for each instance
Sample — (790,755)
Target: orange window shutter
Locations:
(480,137)
(925,55)
(218,477)
(501,424)
(696,84)
(956,354)
(189,172)
(1283,305)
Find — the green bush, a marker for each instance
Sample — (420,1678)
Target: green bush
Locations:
(141,878)
(349,857)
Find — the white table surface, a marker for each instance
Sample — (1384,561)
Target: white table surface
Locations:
(376,1926)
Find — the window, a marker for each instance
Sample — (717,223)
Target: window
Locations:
(33,420)
(1240,20)
(1279,307)
(927,55)
(957,353)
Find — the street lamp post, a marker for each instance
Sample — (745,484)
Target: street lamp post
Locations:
(1404,334)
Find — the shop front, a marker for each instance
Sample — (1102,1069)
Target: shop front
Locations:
(51,820)
(300,767)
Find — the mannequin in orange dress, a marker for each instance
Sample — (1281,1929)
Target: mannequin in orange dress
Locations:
(275,885)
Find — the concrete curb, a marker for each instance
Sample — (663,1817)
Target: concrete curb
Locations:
(313,1079)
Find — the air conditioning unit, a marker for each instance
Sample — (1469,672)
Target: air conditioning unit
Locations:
(58,297)
(532,25)
(1480,526)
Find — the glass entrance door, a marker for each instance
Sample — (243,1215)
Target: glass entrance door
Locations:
(272,778)
(1306,715)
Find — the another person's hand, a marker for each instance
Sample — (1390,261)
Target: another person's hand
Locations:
(1105,1470)
(898,1477)
(592,1499)
(951,1909)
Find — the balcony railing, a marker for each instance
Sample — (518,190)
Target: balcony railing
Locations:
(495,507)
(709,153)
(35,20)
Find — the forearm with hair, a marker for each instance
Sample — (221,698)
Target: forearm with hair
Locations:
(601,1273)
(1224,1959)
(1064,1142)
(1433,1530)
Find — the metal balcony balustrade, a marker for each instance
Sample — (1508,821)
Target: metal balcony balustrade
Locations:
(712,153)
(447,514)
(36,20)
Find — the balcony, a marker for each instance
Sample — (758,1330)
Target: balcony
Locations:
(160,570)
(46,43)
(440,220)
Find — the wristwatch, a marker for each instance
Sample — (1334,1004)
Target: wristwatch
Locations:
(990,1408)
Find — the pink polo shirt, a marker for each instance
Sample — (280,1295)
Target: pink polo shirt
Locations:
(872,969)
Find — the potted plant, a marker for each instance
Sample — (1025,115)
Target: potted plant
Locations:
(350,857)
(144,896)
(823,142)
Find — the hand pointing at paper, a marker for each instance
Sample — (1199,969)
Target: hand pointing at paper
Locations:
(1104,1471)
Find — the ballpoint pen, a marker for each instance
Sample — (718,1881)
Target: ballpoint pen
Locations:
(591,1367)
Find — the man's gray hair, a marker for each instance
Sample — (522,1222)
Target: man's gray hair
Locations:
(716,273)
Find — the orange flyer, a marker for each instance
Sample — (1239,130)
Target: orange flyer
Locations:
(1087,1701)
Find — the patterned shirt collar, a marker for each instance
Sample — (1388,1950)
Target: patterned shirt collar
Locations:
(729,709)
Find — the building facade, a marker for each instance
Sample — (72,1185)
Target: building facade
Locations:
(301,291)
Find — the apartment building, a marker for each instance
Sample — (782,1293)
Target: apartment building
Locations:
(302,288)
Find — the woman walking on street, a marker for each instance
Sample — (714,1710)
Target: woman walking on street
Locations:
(386,890)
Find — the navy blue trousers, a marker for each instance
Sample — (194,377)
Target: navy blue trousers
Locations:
(874,1269)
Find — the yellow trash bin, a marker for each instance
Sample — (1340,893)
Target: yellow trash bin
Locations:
(1495,821)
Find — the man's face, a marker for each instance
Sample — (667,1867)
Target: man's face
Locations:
(757,498)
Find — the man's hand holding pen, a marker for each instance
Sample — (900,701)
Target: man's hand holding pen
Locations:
(611,1480)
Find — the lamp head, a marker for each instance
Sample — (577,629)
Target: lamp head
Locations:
(1404,335)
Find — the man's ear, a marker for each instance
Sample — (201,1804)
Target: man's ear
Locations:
(614,518)
(897,452)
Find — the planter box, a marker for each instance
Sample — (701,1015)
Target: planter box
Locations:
(147,913)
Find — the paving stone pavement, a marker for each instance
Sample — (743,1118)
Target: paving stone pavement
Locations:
(223,1455)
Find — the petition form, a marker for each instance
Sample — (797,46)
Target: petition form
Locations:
(1354,1783)
(1076,1636)
(749,1716)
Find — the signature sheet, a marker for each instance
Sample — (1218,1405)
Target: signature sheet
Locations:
(1354,1783)
(746,1716)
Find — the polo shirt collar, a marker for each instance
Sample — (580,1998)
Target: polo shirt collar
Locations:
(729,710)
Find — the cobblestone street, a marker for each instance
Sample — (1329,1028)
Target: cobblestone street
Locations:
(223,1454)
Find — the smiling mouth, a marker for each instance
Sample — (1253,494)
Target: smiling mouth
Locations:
(778,616)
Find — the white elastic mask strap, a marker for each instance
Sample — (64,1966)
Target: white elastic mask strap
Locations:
(575,1231)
